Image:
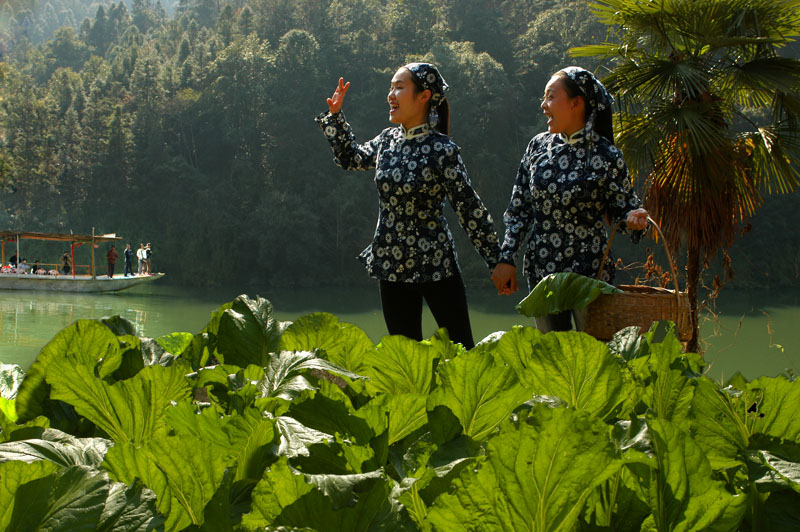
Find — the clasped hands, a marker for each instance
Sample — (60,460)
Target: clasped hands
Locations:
(504,277)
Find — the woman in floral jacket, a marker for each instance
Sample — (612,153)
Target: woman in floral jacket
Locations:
(417,168)
(570,180)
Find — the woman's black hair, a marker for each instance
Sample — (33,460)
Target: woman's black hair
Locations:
(604,122)
(442,109)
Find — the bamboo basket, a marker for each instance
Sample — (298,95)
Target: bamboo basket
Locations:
(638,305)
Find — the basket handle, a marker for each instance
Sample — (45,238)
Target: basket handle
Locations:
(666,249)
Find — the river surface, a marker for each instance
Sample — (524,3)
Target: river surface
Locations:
(755,335)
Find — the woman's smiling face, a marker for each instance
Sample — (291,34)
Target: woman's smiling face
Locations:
(564,113)
(407,106)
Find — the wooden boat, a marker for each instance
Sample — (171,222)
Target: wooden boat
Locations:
(13,279)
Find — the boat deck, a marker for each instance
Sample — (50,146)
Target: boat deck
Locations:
(73,283)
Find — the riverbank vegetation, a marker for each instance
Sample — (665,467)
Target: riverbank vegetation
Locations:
(256,424)
(190,124)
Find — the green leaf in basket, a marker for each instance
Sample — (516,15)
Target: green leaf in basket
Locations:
(563,291)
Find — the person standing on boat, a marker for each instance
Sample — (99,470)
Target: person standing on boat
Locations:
(111,257)
(128,260)
(141,256)
(148,251)
(417,168)
(65,263)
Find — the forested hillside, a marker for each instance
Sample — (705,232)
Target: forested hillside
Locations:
(189,124)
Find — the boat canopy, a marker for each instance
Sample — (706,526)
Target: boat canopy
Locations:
(68,237)
(74,240)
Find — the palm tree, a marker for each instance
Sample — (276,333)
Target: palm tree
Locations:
(708,113)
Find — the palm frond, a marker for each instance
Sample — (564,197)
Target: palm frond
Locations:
(786,109)
(754,83)
(775,159)
(606,49)
(651,78)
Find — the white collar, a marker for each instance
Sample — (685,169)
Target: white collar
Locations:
(574,138)
(416,131)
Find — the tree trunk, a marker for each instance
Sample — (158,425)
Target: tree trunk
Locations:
(692,281)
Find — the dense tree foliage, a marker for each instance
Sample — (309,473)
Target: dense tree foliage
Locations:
(189,124)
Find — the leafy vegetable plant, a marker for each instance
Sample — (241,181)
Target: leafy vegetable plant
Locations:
(255,424)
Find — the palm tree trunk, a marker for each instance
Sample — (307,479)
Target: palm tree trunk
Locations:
(692,281)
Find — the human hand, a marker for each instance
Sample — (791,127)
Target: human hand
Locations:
(504,277)
(637,219)
(335,102)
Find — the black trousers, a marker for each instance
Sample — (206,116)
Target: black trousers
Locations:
(128,268)
(447,299)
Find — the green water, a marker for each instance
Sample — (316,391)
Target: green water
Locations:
(751,335)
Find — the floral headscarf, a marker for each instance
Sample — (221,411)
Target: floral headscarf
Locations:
(596,96)
(430,79)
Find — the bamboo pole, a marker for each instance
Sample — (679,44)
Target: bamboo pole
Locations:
(94,274)
(16,267)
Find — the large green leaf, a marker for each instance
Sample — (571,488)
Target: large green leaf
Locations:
(515,348)
(83,498)
(57,447)
(136,353)
(684,495)
(479,391)
(87,341)
(562,291)
(719,423)
(781,512)
(537,475)
(248,332)
(72,499)
(771,413)
(128,411)
(349,449)
(324,503)
(404,412)
(184,473)
(11,376)
(8,410)
(618,504)
(401,365)
(344,344)
(569,365)
(11,431)
(208,424)
(15,474)
(428,470)
(175,343)
(130,509)
(786,469)
(246,437)
(283,373)
(295,438)
(667,375)
(252,439)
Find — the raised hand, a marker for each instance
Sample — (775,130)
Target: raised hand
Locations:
(335,102)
